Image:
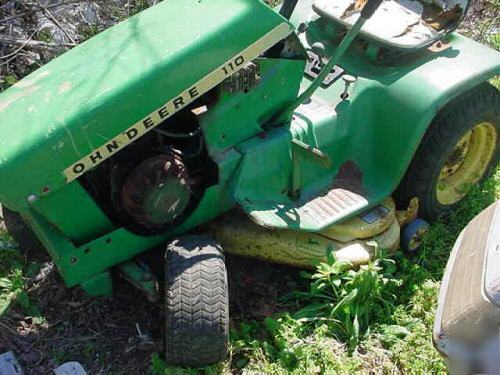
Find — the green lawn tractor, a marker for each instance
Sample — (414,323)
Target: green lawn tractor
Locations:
(320,127)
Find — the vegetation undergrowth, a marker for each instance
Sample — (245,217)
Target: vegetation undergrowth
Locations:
(347,300)
(375,319)
(11,275)
(387,308)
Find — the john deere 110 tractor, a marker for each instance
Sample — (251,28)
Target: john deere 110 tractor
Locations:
(307,119)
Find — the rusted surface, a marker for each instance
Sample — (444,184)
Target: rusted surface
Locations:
(368,224)
(410,214)
(343,196)
(240,236)
(146,182)
(315,212)
(349,177)
(439,46)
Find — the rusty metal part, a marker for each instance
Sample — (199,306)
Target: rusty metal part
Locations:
(157,192)
(349,176)
(410,214)
(315,152)
(244,80)
(439,46)
(467,163)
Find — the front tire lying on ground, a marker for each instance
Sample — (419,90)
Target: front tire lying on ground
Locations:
(196,302)
(460,149)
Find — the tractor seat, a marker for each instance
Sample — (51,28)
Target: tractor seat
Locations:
(396,23)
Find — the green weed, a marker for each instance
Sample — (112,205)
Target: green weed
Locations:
(159,367)
(347,300)
(388,306)
(11,276)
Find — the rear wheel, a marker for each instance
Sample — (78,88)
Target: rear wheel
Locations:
(196,302)
(459,150)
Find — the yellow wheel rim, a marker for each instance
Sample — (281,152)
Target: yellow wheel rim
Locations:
(467,163)
(417,239)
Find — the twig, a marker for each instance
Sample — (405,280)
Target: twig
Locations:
(34,10)
(33,43)
(56,22)
(8,61)
(23,44)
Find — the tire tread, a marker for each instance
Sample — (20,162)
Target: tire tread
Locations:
(196,302)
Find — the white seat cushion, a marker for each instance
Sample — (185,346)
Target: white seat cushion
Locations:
(397,22)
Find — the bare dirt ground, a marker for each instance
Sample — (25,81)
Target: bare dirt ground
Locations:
(70,326)
(118,335)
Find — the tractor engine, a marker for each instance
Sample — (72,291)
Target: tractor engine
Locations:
(156,182)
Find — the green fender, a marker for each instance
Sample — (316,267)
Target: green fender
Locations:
(376,132)
(401,106)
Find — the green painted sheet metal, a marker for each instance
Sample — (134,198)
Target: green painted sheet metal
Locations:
(73,211)
(77,264)
(149,58)
(238,117)
(391,108)
(372,136)
(77,102)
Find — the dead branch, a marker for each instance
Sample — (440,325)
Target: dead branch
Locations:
(23,44)
(34,10)
(56,22)
(31,43)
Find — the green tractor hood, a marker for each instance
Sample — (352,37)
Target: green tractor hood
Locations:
(78,110)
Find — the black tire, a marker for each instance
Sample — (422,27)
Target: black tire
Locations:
(21,232)
(196,302)
(479,104)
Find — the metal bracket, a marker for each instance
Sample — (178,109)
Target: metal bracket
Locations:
(318,156)
(139,275)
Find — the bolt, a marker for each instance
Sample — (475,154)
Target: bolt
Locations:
(348,80)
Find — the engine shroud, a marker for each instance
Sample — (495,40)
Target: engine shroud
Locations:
(158,192)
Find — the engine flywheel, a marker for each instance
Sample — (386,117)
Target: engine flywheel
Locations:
(157,193)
